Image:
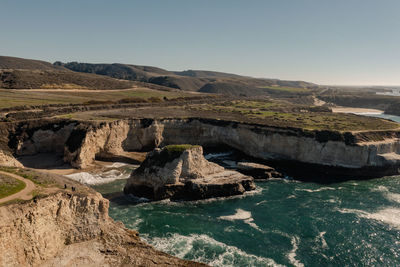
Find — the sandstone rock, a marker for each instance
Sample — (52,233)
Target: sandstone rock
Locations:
(182,172)
(258,171)
(8,160)
(72,230)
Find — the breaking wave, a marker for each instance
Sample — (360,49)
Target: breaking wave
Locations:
(100,178)
(205,249)
(242,215)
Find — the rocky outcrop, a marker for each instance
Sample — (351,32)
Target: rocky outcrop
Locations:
(258,171)
(85,141)
(8,160)
(182,172)
(72,230)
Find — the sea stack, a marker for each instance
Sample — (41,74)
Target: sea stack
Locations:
(182,172)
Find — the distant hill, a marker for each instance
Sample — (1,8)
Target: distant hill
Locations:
(22,63)
(19,73)
(28,73)
(189,80)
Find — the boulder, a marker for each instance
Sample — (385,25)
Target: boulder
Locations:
(182,172)
(258,171)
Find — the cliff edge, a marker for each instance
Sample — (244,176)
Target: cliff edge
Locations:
(72,229)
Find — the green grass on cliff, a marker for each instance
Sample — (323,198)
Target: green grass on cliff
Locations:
(179,148)
(284,114)
(9,186)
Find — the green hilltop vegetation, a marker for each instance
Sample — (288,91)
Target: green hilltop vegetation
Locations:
(284,114)
(179,148)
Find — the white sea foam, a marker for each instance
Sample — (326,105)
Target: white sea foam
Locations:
(292,254)
(205,249)
(116,165)
(393,197)
(389,216)
(316,190)
(261,202)
(242,215)
(100,178)
(380,188)
(321,238)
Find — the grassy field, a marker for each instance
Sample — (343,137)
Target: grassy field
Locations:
(9,186)
(282,114)
(12,98)
(287,89)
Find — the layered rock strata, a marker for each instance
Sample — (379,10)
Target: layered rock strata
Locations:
(181,172)
(72,230)
(81,142)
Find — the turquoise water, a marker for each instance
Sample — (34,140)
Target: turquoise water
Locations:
(283,222)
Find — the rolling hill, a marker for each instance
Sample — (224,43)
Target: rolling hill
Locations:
(19,73)
(189,80)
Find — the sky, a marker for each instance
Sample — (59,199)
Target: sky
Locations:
(336,42)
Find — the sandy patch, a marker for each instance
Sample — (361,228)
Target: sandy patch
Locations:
(356,110)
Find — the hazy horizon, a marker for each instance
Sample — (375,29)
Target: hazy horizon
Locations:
(353,43)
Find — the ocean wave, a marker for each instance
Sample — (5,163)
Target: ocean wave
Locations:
(292,254)
(317,190)
(321,238)
(261,202)
(117,165)
(380,188)
(204,248)
(389,216)
(100,178)
(393,197)
(241,215)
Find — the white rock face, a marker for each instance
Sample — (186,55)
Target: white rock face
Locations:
(255,140)
(258,141)
(184,174)
(72,230)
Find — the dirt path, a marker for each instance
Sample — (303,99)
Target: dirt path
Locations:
(24,194)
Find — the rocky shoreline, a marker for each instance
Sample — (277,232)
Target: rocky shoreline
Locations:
(79,143)
(182,172)
(72,229)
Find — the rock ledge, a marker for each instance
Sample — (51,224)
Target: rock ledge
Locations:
(182,172)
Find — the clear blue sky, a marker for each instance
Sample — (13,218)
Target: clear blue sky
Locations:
(322,41)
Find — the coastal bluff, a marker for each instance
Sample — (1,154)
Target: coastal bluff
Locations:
(69,229)
(367,154)
(182,172)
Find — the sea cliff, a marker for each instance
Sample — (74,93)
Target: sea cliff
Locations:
(66,229)
(80,143)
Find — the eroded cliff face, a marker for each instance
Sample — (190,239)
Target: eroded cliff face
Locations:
(72,230)
(257,141)
(82,142)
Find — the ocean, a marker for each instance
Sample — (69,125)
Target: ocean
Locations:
(283,222)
